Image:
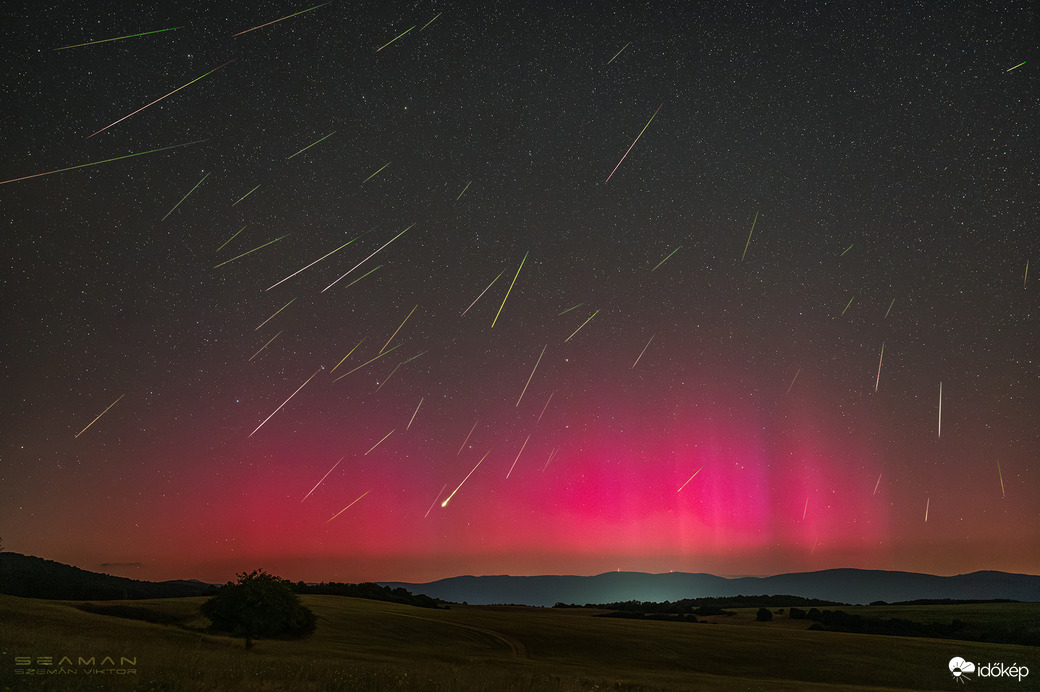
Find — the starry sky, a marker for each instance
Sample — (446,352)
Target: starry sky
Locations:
(796,329)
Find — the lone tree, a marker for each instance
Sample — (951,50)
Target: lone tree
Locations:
(259,605)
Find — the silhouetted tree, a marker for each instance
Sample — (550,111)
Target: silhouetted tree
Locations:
(764,615)
(259,605)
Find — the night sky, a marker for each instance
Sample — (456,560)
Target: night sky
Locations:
(795,330)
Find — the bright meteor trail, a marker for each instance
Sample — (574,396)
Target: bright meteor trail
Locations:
(395,38)
(749,237)
(161,98)
(348,506)
(509,291)
(146,33)
(99,416)
(445,503)
(532,374)
(284,402)
(582,325)
(253,250)
(98,163)
(367,258)
(484,291)
(323,479)
(634,142)
(278,20)
(315,262)
(312,144)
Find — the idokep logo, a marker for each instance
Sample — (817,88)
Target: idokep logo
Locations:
(960,669)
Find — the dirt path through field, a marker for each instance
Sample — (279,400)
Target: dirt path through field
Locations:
(512,643)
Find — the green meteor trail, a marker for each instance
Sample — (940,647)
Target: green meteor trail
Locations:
(847,305)
(231,238)
(98,163)
(394,39)
(185,197)
(253,250)
(749,236)
(509,291)
(374,174)
(619,52)
(313,143)
(246,195)
(120,38)
(569,309)
(582,325)
(431,21)
(1018,65)
(846,250)
(666,258)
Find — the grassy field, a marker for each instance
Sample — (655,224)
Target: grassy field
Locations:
(370,645)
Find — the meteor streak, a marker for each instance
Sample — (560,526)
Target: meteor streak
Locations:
(889,308)
(877,485)
(231,238)
(1001,474)
(431,21)
(435,501)
(1026,276)
(394,39)
(463,189)
(633,143)
(378,266)
(569,309)
(792,381)
(880,360)
(323,479)
(312,144)
(374,174)
(317,260)
(927,503)
(98,163)
(467,437)
(666,258)
(619,52)
(484,291)
(99,416)
(265,345)
(805,509)
(161,98)
(367,258)
(348,354)
(408,427)
(246,194)
(251,251)
(532,374)
(366,363)
(846,250)
(184,197)
(847,305)
(518,456)
(582,325)
(348,506)
(749,237)
(545,407)
(1016,66)
(552,455)
(157,31)
(642,352)
(275,313)
(284,403)
(278,20)
(509,291)
(689,479)
(445,503)
(396,330)
(381,441)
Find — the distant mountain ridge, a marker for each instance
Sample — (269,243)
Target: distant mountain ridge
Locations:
(840,585)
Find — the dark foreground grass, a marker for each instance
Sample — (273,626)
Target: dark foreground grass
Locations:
(369,645)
